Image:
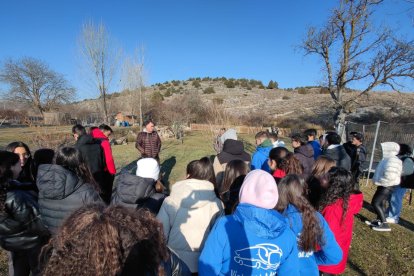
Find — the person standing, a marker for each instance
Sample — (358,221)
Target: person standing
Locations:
(148,141)
(91,153)
(336,151)
(261,155)
(387,175)
(102,134)
(311,136)
(357,151)
(303,152)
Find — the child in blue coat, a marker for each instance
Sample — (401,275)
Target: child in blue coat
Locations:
(316,241)
(255,239)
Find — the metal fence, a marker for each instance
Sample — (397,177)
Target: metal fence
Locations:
(376,134)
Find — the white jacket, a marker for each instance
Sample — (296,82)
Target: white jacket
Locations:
(188,215)
(388,171)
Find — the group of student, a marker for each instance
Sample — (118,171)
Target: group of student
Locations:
(233,215)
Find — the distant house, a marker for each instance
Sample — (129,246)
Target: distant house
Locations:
(125,117)
(56,118)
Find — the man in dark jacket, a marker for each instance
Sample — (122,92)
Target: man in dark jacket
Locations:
(92,153)
(337,152)
(303,152)
(148,142)
(357,151)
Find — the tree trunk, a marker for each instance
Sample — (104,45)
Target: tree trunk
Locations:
(140,107)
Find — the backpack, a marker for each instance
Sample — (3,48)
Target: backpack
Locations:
(407,181)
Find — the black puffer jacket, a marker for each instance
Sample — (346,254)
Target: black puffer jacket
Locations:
(137,192)
(341,157)
(60,193)
(20,226)
(304,154)
(92,152)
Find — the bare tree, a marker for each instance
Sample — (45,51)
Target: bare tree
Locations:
(101,57)
(353,51)
(133,78)
(31,81)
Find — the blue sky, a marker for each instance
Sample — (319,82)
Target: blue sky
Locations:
(182,39)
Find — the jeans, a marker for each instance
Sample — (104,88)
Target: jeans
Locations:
(395,203)
(382,194)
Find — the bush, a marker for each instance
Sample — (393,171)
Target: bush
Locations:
(218,101)
(302,91)
(285,98)
(324,90)
(209,90)
(229,84)
(272,85)
(196,83)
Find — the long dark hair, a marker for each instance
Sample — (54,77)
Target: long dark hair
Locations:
(201,169)
(95,240)
(278,154)
(7,160)
(340,186)
(292,190)
(71,159)
(28,170)
(234,169)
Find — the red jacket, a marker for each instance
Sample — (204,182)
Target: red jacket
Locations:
(342,231)
(109,160)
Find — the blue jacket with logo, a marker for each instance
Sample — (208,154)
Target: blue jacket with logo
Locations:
(252,241)
(330,252)
(259,159)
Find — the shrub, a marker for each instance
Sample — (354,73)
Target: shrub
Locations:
(271,85)
(324,90)
(302,91)
(209,90)
(285,98)
(218,101)
(161,87)
(229,84)
(196,83)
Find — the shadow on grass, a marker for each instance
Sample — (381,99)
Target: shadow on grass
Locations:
(355,268)
(166,168)
(404,223)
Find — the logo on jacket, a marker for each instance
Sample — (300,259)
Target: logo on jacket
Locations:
(262,256)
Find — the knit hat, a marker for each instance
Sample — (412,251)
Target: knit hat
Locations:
(148,168)
(259,189)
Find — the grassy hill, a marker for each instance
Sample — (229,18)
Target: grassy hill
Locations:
(250,102)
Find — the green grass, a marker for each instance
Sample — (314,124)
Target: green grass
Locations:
(371,253)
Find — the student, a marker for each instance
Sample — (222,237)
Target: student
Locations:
(28,172)
(234,175)
(255,240)
(64,187)
(190,211)
(261,155)
(396,199)
(387,176)
(274,138)
(336,151)
(102,134)
(22,232)
(129,243)
(142,190)
(311,136)
(303,152)
(277,161)
(316,241)
(318,180)
(232,150)
(338,206)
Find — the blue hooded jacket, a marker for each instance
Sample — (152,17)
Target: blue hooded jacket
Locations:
(260,157)
(316,149)
(329,254)
(252,241)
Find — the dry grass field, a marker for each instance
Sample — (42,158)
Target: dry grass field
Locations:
(371,253)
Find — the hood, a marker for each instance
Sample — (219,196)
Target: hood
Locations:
(193,193)
(131,188)
(265,223)
(337,152)
(229,134)
(233,150)
(355,202)
(97,133)
(306,150)
(85,139)
(265,144)
(390,149)
(56,182)
(264,150)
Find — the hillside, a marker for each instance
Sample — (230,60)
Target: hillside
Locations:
(247,99)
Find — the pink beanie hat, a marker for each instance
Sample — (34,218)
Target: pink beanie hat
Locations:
(259,189)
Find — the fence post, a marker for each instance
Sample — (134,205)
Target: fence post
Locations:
(373,151)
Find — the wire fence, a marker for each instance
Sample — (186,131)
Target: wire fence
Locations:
(374,135)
